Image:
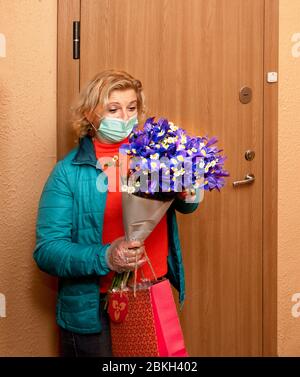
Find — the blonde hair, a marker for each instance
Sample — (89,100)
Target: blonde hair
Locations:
(97,91)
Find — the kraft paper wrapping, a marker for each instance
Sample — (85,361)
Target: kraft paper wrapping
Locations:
(141,215)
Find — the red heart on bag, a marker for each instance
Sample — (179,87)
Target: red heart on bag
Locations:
(118,306)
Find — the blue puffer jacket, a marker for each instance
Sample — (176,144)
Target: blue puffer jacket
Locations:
(69,233)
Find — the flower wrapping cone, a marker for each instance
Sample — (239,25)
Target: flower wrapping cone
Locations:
(141,215)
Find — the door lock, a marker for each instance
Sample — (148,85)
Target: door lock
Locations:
(249,155)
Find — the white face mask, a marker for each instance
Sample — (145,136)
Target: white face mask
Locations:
(115,129)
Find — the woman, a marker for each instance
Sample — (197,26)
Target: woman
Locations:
(80,235)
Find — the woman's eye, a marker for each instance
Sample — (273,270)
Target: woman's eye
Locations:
(112,110)
(132,108)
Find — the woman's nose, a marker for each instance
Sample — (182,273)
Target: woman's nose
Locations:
(125,115)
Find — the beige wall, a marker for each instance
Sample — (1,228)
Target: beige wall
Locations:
(27,153)
(288,180)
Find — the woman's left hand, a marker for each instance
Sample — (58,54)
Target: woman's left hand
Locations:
(187,195)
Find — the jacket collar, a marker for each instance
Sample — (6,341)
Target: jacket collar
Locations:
(86,153)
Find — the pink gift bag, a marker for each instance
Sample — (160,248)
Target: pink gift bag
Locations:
(148,324)
(168,330)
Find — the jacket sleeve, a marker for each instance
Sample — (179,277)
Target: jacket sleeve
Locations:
(184,207)
(55,253)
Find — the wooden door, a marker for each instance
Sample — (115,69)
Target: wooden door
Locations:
(193,57)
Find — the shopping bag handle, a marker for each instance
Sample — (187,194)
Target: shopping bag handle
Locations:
(135,271)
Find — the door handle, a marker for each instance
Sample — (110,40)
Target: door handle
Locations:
(249,178)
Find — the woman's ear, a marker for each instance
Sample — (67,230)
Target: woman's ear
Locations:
(93,117)
(89,115)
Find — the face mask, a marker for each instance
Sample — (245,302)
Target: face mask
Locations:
(114,129)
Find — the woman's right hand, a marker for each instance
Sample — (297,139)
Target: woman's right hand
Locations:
(125,255)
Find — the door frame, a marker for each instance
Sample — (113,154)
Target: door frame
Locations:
(68,79)
(270,183)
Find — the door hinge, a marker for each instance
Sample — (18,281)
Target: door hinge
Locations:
(76,39)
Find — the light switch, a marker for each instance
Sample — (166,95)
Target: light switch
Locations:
(272,77)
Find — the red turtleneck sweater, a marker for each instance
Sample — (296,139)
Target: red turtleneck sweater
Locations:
(156,244)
